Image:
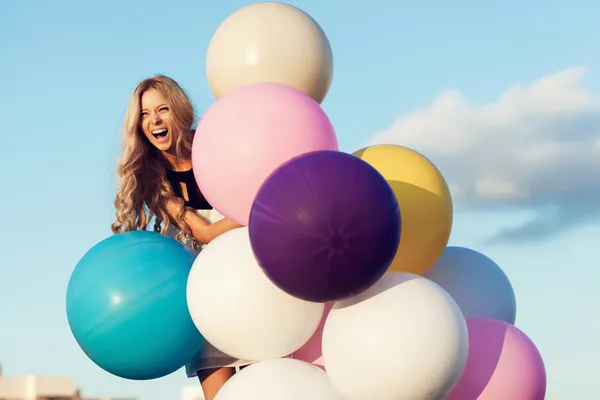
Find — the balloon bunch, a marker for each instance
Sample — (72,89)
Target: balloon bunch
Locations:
(339,285)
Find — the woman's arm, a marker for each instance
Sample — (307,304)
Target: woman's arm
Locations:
(202,231)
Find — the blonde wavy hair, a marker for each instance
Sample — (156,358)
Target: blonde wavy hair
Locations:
(143,187)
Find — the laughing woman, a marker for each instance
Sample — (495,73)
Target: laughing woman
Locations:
(156,180)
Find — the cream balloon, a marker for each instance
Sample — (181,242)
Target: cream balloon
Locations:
(239,310)
(270,42)
(280,379)
(402,339)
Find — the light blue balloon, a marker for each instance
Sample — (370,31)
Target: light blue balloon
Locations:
(477,284)
(127,307)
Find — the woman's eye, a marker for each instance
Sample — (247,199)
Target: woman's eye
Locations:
(164,109)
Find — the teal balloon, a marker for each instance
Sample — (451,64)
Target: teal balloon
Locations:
(127,308)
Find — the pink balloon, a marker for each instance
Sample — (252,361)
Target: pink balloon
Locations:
(312,351)
(503,364)
(246,134)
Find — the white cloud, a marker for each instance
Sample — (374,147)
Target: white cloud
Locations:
(537,147)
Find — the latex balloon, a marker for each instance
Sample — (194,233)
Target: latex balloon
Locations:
(239,310)
(312,350)
(403,338)
(503,364)
(425,204)
(281,379)
(246,135)
(476,283)
(325,226)
(270,42)
(126,305)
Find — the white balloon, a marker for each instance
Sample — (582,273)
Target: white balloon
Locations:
(270,42)
(280,379)
(402,339)
(239,310)
(477,284)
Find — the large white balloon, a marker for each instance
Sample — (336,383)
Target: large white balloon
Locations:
(477,284)
(281,379)
(270,42)
(402,339)
(239,310)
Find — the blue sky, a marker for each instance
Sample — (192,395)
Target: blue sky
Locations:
(67,71)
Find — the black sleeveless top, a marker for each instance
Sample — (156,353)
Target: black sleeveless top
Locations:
(196,200)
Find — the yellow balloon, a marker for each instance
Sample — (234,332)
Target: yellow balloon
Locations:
(425,204)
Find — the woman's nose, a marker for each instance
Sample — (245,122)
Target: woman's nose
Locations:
(156,119)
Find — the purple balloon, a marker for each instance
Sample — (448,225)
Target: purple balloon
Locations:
(325,226)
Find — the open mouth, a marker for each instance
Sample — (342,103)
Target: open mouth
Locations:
(160,133)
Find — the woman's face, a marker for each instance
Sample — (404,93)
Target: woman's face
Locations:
(156,121)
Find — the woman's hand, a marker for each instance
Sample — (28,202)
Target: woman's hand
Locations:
(206,233)
(201,230)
